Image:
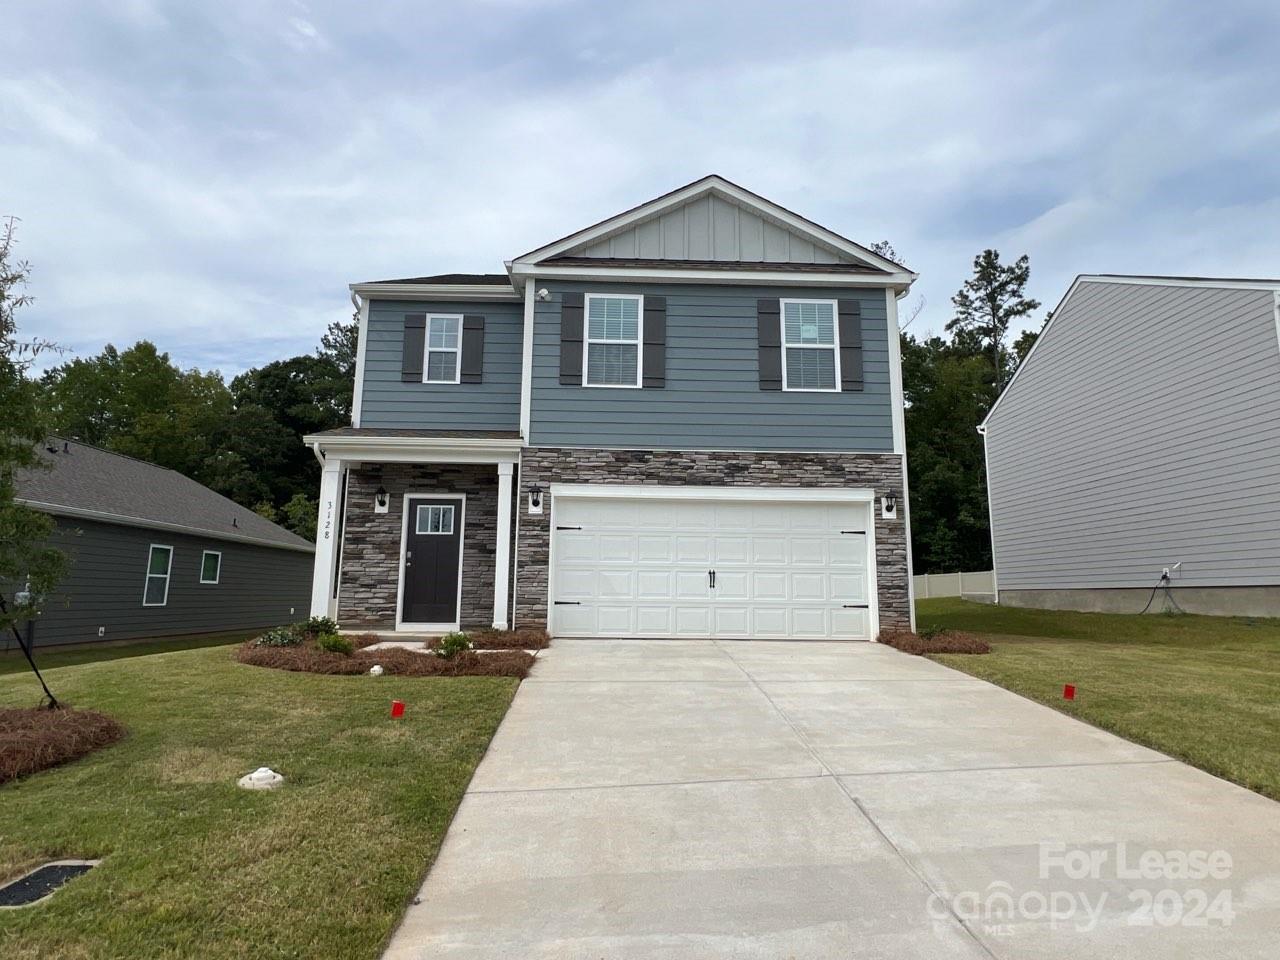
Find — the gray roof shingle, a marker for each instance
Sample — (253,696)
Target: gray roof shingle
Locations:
(86,478)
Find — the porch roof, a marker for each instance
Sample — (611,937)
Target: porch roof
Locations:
(415,445)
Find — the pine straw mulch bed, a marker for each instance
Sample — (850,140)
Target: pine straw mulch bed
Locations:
(35,738)
(306,658)
(522,639)
(943,641)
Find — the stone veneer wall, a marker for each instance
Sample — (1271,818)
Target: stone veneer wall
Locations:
(371,541)
(547,465)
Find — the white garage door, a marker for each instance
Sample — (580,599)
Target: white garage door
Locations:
(642,567)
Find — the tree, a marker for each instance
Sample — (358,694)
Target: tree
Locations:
(339,345)
(986,305)
(29,565)
(946,387)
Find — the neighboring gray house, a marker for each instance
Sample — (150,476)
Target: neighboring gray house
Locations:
(683,421)
(155,554)
(1142,433)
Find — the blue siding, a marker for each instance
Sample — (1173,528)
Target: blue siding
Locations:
(712,398)
(493,404)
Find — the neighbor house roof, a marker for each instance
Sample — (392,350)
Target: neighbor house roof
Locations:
(90,483)
(456,279)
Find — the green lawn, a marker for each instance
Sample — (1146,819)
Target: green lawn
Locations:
(1204,689)
(195,867)
(12,661)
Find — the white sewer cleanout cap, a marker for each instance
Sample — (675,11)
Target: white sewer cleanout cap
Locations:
(375,670)
(264,778)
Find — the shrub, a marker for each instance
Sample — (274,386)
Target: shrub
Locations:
(317,627)
(934,641)
(279,637)
(452,644)
(333,643)
(526,638)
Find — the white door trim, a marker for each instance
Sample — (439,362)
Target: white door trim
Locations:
(401,625)
(580,491)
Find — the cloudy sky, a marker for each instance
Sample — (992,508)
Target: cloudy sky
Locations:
(212,175)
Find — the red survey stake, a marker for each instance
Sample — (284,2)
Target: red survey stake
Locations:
(397,708)
(1068,691)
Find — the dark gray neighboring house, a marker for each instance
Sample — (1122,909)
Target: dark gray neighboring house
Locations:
(155,554)
(1142,433)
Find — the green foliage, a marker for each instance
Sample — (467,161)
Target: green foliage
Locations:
(279,637)
(333,643)
(27,563)
(315,626)
(243,440)
(452,644)
(986,305)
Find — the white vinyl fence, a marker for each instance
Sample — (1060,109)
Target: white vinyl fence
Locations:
(980,583)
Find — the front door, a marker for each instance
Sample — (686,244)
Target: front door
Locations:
(432,569)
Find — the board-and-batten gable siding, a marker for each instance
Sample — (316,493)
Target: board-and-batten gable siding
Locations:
(710,228)
(1144,431)
(712,398)
(258,586)
(492,404)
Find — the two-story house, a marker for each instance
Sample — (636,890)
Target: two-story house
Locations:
(683,421)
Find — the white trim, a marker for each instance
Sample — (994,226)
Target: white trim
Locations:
(991,519)
(217,576)
(502,549)
(639,341)
(483,292)
(362,340)
(896,396)
(758,278)
(1225,283)
(728,191)
(526,362)
(1275,306)
(416,449)
(58,510)
(146,580)
(608,491)
(834,346)
(427,349)
(585,491)
(442,507)
(404,626)
(324,601)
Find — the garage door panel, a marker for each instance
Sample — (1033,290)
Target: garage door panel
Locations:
(640,568)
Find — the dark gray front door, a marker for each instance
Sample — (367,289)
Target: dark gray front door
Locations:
(432,549)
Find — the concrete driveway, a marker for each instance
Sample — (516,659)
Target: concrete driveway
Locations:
(673,799)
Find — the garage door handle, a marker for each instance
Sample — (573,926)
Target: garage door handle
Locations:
(860,532)
(711,579)
(568,528)
(856,606)
(568,603)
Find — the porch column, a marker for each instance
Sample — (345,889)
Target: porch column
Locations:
(502,558)
(322,600)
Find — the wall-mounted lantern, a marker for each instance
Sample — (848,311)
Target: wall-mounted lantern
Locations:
(889,505)
(381,500)
(535,498)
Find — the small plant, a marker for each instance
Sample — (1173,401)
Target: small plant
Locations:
(279,637)
(333,643)
(452,644)
(317,627)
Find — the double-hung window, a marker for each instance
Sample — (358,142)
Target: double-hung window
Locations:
(444,337)
(155,592)
(810,345)
(612,341)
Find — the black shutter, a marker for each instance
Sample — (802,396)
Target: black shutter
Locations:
(571,338)
(415,337)
(769,331)
(472,349)
(654,363)
(850,345)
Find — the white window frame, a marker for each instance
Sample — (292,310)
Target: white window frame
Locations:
(639,341)
(146,580)
(217,576)
(417,519)
(427,349)
(834,347)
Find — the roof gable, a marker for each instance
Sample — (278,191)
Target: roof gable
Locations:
(713,221)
